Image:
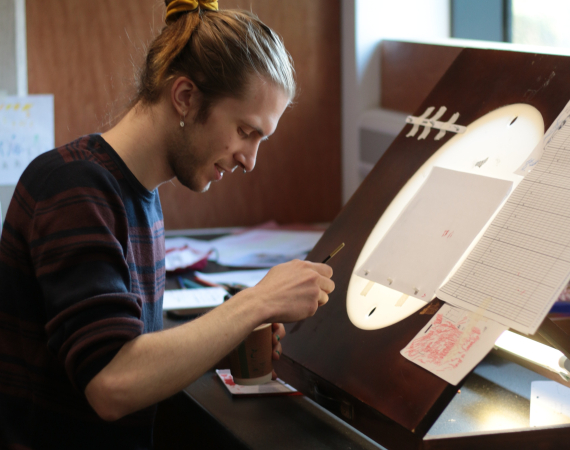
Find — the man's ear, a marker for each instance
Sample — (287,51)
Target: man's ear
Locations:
(184,95)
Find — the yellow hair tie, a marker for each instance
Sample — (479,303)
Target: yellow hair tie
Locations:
(178,6)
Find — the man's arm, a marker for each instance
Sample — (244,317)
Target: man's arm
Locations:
(155,366)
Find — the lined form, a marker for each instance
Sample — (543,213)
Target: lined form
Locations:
(522,263)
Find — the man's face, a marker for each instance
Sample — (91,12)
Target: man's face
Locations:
(202,152)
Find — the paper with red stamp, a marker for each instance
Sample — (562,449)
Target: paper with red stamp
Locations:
(453,342)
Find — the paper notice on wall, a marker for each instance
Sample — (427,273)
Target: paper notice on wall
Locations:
(26,131)
(453,342)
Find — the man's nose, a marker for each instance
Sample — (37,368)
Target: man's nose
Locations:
(247,156)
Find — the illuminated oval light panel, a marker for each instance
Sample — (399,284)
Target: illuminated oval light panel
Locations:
(495,145)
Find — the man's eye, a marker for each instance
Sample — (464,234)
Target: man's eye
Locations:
(242,133)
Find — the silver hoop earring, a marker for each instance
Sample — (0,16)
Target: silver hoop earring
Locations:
(244,170)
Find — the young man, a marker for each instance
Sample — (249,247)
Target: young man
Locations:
(82,357)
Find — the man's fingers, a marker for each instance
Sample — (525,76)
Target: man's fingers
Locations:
(323,269)
(305,285)
(278,332)
(279,328)
(326,284)
(323,299)
(325,272)
(277,350)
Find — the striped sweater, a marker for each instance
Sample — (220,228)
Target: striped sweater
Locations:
(81,273)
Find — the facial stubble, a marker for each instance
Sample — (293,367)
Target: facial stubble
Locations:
(186,160)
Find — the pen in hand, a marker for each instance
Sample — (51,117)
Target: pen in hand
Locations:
(239,287)
(338,249)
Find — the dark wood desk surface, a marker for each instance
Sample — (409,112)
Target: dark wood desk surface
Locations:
(205,416)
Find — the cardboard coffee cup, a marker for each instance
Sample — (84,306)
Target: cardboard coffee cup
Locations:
(250,362)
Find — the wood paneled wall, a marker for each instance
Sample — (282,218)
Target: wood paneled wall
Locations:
(85,52)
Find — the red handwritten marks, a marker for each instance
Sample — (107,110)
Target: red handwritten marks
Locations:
(228,379)
(447,234)
(444,344)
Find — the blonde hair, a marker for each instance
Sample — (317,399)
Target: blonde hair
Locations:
(218,51)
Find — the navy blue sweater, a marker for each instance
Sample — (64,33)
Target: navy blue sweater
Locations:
(81,273)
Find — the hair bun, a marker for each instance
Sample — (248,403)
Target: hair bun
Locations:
(210,5)
(176,7)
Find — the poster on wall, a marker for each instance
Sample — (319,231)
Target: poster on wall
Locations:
(26,131)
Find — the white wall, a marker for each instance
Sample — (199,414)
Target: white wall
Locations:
(364,24)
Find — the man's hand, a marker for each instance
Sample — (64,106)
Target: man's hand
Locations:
(293,291)
(278,334)
(154,366)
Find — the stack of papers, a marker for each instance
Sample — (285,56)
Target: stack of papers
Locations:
(255,248)
(248,278)
(264,248)
(186,253)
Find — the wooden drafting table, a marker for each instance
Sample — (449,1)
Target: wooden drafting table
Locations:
(358,371)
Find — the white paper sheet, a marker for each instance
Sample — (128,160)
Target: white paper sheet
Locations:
(193,298)
(248,278)
(434,230)
(453,342)
(183,242)
(26,131)
(273,387)
(185,252)
(549,403)
(520,266)
(263,248)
